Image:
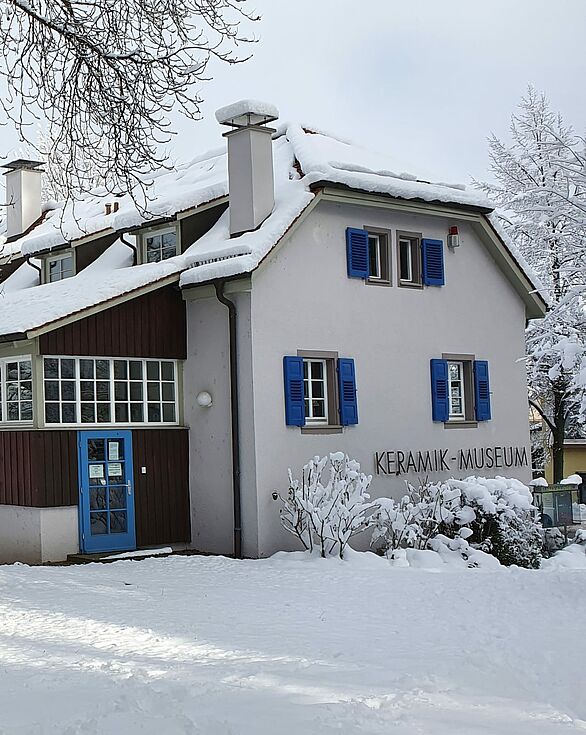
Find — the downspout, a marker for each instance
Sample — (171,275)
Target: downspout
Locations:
(131,246)
(36,267)
(236,490)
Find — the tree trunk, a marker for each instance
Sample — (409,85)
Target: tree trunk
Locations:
(558,435)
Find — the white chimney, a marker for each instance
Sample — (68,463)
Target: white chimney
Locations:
(23,195)
(250,163)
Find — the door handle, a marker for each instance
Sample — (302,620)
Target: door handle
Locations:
(129,488)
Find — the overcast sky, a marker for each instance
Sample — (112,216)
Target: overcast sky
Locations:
(426,80)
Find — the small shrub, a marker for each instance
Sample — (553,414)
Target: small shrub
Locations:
(415,519)
(493,515)
(328,505)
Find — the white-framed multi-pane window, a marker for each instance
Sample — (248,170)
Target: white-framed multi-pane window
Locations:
(59,267)
(315,386)
(159,244)
(456,385)
(16,390)
(88,390)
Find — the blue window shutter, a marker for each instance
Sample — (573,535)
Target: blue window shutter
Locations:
(294,392)
(357,253)
(347,392)
(481,390)
(440,406)
(433,262)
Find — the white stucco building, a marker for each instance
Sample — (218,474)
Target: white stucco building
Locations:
(327,302)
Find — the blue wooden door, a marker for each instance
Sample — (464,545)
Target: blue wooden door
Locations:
(106,482)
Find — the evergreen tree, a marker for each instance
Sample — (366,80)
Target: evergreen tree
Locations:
(540,198)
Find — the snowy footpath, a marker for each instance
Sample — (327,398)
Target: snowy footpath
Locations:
(213,646)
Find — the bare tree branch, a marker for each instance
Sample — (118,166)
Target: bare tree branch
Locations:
(105,74)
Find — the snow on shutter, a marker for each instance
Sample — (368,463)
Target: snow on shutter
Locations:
(357,253)
(433,262)
(347,392)
(294,393)
(440,408)
(481,390)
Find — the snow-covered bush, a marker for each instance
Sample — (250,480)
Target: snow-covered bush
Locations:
(328,505)
(494,515)
(506,522)
(415,519)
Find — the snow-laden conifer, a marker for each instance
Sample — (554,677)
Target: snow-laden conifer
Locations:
(540,189)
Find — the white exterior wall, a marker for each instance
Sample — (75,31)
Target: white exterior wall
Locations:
(302,299)
(37,535)
(210,458)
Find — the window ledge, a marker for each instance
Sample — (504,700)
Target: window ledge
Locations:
(323,429)
(460,424)
(377,282)
(410,284)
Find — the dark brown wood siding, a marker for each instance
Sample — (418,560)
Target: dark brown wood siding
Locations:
(153,325)
(39,469)
(162,494)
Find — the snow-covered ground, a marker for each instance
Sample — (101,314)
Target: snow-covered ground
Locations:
(213,646)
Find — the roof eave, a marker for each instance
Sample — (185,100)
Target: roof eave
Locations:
(39,329)
(328,185)
(13,337)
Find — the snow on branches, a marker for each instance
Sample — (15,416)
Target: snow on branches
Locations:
(328,505)
(496,516)
(105,75)
(540,190)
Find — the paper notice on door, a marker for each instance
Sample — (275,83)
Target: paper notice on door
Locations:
(113,451)
(115,469)
(96,471)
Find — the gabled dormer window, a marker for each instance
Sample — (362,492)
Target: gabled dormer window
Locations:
(58,267)
(159,244)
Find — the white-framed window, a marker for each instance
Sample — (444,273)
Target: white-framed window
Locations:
(457,390)
(59,267)
(315,384)
(409,258)
(16,390)
(379,258)
(89,391)
(159,244)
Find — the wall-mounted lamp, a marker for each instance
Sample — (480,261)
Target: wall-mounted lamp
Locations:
(204,399)
(453,238)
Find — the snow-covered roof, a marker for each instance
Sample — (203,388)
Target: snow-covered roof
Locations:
(322,157)
(302,157)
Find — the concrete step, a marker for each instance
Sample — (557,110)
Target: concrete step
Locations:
(111,556)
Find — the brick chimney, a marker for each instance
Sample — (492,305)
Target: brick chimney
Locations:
(23,195)
(250,163)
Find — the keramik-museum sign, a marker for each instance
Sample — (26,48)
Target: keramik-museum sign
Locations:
(397,462)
